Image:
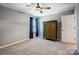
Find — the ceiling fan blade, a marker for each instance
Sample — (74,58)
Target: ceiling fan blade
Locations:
(29,4)
(47,7)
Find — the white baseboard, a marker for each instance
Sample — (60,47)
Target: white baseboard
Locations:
(12,43)
(68,42)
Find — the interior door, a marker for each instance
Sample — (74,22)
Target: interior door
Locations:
(68,29)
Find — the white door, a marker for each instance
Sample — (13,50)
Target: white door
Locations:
(68,30)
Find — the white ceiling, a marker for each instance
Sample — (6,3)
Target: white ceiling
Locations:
(55,7)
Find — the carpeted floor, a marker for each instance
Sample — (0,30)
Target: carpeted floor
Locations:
(38,46)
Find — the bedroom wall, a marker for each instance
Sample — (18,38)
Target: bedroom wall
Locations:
(54,17)
(14,26)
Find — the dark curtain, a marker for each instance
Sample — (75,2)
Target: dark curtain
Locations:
(31,27)
(37,27)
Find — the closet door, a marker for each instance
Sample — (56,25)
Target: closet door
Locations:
(46,29)
(50,30)
(53,30)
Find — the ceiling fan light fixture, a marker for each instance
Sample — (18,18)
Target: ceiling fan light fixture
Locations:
(41,11)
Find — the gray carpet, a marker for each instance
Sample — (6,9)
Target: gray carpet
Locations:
(39,46)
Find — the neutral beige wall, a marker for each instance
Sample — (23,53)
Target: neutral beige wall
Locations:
(14,26)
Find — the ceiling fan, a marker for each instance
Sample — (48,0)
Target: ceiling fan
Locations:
(40,8)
